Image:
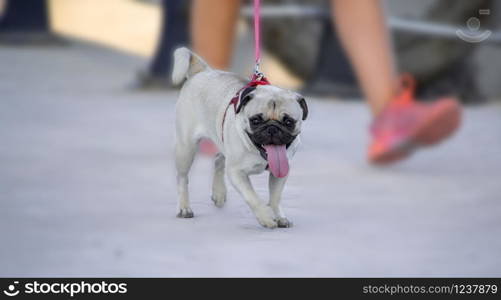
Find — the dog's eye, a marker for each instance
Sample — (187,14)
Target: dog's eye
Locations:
(288,122)
(256,120)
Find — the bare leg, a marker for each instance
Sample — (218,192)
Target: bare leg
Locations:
(276,186)
(362,30)
(212,30)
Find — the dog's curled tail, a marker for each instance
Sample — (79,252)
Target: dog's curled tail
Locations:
(186,64)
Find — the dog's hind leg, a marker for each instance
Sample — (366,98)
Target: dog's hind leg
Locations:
(276,186)
(218,184)
(185,153)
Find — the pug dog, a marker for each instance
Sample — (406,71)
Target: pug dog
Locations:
(259,133)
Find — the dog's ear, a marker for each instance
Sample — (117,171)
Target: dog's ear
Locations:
(304,107)
(245,97)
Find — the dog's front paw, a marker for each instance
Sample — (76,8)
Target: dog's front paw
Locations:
(265,217)
(219,199)
(185,213)
(284,223)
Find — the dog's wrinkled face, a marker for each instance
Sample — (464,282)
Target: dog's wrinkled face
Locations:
(272,119)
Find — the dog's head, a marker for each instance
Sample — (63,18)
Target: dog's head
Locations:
(272,118)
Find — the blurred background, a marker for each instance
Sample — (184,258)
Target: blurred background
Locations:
(87,124)
(302,50)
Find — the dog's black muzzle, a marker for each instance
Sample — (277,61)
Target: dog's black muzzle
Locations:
(270,133)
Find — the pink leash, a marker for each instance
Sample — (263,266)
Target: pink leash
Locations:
(257,35)
(258,77)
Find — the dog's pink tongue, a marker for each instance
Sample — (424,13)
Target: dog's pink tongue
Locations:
(277,160)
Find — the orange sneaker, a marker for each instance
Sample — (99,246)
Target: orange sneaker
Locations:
(405,125)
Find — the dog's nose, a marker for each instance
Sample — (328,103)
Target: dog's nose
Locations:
(272,130)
